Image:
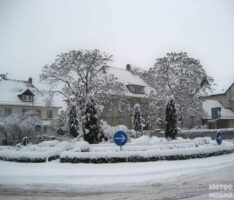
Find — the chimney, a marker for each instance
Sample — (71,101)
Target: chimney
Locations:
(30,80)
(128,67)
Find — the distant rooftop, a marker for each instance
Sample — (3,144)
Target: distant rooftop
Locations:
(222,86)
(128,78)
(10,90)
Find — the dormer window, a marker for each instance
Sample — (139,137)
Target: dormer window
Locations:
(136,89)
(28,98)
(26,95)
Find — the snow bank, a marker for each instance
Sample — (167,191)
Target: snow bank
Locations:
(143,140)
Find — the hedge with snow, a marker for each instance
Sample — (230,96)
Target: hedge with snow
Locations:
(148,149)
(47,150)
(136,150)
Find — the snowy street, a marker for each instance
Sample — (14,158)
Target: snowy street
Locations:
(188,179)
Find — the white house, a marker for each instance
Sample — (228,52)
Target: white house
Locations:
(18,97)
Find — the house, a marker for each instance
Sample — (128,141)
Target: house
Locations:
(219,106)
(135,91)
(18,97)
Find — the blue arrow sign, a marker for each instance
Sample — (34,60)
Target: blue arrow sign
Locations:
(120,138)
(219,137)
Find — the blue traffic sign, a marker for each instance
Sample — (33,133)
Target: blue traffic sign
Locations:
(219,137)
(120,138)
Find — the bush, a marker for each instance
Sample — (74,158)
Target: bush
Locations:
(116,157)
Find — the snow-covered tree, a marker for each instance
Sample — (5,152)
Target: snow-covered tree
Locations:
(182,78)
(30,120)
(73,121)
(91,121)
(79,73)
(60,123)
(137,120)
(15,127)
(171,120)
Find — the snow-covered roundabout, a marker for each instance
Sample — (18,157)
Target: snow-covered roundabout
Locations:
(141,149)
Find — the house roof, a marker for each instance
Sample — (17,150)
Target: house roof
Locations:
(222,86)
(25,90)
(10,89)
(209,104)
(128,78)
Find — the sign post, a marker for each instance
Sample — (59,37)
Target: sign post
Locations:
(219,137)
(120,138)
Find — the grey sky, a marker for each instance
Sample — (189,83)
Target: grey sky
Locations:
(33,32)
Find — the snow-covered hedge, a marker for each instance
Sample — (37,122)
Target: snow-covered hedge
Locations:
(228,133)
(42,152)
(149,149)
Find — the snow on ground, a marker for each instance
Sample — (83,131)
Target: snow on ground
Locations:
(186,179)
(80,175)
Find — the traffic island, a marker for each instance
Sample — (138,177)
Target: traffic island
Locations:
(145,156)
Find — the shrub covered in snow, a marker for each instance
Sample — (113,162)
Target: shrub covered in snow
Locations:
(91,121)
(171,120)
(148,155)
(81,146)
(42,152)
(143,140)
(15,127)
(137,120)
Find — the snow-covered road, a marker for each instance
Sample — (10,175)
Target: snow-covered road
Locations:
(150,180)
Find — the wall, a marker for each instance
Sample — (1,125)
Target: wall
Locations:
(19,110)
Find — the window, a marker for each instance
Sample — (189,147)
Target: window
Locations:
(4,112)
(28,98)
(7,111)
(32,112)
(216,113)
(136,89)
(49,114)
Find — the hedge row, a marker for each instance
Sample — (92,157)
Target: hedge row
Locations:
(194,133)
(29,160)
(141,159)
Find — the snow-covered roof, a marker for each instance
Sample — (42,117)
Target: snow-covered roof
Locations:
(11,89)
(209,104)
(128,78)
(24,90)
(222,86)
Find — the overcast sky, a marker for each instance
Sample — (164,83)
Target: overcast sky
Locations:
(33,32)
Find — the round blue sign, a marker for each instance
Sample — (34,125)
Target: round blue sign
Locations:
(219,137)
(120,138)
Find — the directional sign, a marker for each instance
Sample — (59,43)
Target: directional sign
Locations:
(219,137)
(120,138)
